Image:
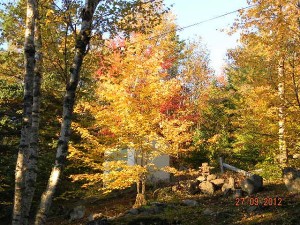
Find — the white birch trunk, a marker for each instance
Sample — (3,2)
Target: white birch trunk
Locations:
(18,216)
(30,178)
(82,42)
(281,114)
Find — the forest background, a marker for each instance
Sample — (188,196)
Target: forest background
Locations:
(138,86)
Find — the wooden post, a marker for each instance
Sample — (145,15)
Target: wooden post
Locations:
(227,166)
(221,165)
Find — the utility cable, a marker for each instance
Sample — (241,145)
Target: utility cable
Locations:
(194,24)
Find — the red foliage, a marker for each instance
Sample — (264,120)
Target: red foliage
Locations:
(167,63)
(222,80)
(102,68)
(116,43)
(193,117)
(106,132)
(99,72)
(110,69)
(172,105)
(148,51)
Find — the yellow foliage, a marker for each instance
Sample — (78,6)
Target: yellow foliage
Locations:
(176,173)
(132,86)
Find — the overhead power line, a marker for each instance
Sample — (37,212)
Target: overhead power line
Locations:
(213,18)
(191,25)
(196,24)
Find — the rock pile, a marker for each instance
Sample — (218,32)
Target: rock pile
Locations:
(291,179)
(208,183)
(152,209)
(77,213)
(252,184)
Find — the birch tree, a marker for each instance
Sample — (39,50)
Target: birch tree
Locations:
(147,13)
(81,45)
(20,205)
(281,113)
(274,25)
(112,17)
(31,175)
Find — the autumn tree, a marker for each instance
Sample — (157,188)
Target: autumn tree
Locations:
(254,116)
(197,79)
(274,25)
(81,48)
(141,110)
(65,19)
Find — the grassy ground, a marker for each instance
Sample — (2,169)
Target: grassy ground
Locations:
(211,210)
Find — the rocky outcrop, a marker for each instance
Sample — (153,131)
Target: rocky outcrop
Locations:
(95,216)
(229,185)
(207,187)
(77,213)
(253,184)
(218,182)
(101,221)
(291,179)
(189,202)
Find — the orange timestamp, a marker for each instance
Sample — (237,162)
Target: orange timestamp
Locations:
(253,201)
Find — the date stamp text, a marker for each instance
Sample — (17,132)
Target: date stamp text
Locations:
(255,201)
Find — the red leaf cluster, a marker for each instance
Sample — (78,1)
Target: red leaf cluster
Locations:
(110,69)
(116,43)
(106,132)
(172,105)
(193,117)
(148,51)
(167,63)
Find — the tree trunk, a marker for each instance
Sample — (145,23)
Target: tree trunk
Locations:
(30,178)
(140,199)
(82,42)
(295,83)
(23,155)
(281,114)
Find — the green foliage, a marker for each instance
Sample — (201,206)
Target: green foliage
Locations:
(269,169)
(254,114)
(10,91)
(10,123)
(213,137)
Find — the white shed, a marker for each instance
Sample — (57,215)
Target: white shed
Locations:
(159,162)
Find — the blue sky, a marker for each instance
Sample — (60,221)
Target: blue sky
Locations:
(217,42)
(192,11)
